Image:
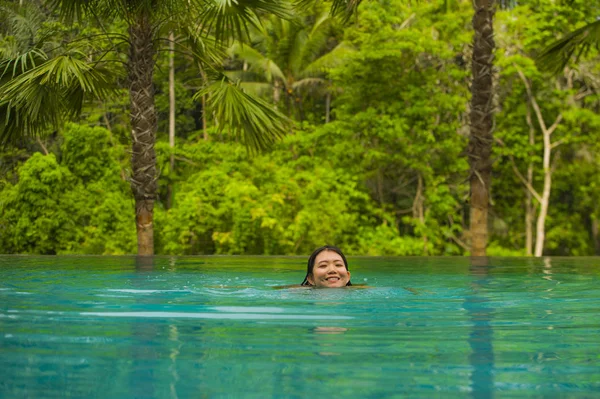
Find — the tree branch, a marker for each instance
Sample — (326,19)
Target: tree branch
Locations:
(524,181)
(460,243)
(534,103)
(531,189)
(39,141)
(554,125)
(582,95)
(557,143)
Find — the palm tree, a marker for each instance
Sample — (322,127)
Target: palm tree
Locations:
(38,91)
(291,56)
(482,114)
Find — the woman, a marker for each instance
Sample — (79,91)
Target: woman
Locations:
(327,268)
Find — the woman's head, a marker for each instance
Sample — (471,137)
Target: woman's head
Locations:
(327,267)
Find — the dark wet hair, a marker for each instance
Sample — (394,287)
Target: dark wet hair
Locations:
(313,257)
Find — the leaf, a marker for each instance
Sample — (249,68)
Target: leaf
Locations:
(204,48)
(252,119)
(43,96)
(344,9)
(307,83)
(577,43)
(332,59)
(231,19)
(260,62)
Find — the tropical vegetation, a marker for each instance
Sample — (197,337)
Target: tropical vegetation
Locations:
(291,128)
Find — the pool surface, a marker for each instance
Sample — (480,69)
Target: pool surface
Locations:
(216,327)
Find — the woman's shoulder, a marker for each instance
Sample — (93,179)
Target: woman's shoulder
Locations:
(291,286)
(300,286)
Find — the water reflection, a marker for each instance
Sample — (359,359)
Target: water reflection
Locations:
(177,344)
(141,377)
(547,269)
(480,339)
(327,342)
(144,263)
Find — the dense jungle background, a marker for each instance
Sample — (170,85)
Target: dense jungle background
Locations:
(373,156)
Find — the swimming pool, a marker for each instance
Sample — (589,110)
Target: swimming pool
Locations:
(214,327)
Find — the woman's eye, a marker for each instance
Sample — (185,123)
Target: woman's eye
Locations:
(340,265)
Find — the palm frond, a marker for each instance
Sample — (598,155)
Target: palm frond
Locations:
(308,83)
(575,44)
(204,48)
(317,38)
(231,19)
(296,50)
(308,42)
(45,95)
(81,10)
(21,63)
(72,10)
(281,40)
(22,21)
(253,120)
(334,58)
(343,9)
(258,89)
(257,61)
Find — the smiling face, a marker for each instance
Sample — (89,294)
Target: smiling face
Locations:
(329,271)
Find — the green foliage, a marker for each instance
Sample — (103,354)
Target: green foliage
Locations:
(288,60)
(88,153)
(494,249)
(401,103)
(260,205)
(77,205)
(575,44)
(387,176)
(36,213)
(251,119)
(519,133)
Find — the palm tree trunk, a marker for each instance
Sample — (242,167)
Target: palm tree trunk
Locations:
(143,130)
(481,138)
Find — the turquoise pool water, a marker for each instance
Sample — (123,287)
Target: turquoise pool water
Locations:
(215,327)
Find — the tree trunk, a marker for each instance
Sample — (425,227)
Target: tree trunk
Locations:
(540,232)
(418,211)
(171,116)
(41,144)
(595,236)
(529,213)
(544,199)
(276,93)
(143,130)
(481,138)
(204,84)
(327,106)
(529,208)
